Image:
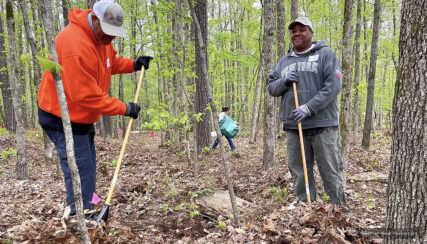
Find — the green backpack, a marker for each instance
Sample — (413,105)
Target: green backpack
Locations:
(229,127)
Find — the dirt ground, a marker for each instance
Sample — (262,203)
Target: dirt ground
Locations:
(156,200)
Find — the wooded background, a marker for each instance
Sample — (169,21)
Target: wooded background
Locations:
(245,39)
(173,98)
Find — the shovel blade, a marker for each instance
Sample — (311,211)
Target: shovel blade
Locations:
(104,214)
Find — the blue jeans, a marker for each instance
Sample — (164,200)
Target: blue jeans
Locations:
(229,142)
(84,149)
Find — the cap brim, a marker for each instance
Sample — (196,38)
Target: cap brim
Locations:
(112,30)
(291,25)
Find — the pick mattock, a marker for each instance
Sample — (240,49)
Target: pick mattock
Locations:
(104,212)
(301,141)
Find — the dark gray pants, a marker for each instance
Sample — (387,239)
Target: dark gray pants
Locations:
(323,148)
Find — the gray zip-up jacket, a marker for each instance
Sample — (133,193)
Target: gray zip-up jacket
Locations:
(319,83)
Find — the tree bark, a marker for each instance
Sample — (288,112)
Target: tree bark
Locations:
(281,51)
(75,177)
(294,9)
(35,50)
(90,3)
(65,12)
(180,73)
(203,127)
(346,86)
(355,113)
(21,162)
(407,188)
(9,120)
(108,125)
(122,119)
(256,102)
(20,69)
(371,78)
(269,157)
(204,66)
(107,122)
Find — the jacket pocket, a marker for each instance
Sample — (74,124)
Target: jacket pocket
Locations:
(288,102)
(303,98)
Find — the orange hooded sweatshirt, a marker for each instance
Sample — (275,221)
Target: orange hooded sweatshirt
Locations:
(86,75)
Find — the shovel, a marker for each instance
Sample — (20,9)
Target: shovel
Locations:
(301,141)
(104,212)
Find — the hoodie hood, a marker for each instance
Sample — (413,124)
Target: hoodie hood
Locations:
(79,17)
(317,45)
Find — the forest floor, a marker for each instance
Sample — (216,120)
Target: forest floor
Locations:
(156,200)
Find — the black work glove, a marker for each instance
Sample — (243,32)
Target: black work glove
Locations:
(132,110)
(291,76)
(142,61)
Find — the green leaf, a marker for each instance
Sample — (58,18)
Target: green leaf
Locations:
(222,224)
(25,58)
(49,65)
(165,207)
(4,132)
(8,153)
(325,197)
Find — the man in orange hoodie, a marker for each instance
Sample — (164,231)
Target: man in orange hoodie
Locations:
(88,59)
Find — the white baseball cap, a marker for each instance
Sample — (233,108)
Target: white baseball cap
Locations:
(301,20)
(110,15)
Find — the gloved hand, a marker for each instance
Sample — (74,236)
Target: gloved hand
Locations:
(301,113)
(291,76)
(132,110)
(142,61)
(273,76)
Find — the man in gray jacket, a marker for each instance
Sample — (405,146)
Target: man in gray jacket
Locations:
(317,73)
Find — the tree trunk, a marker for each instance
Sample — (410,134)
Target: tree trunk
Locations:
(371,78)
(260,106)
(203,127)
(180,73)
(132,49)
(346,86)
(204,68)
(365,46)
(21,162)
(269,157)
(90,3)
(294,9)
(380,119)
(107,123)
(165,80)
(20,69)
(281,51)
(355,113)
(75,177)
(122,119)
(35,50)
(65,12)
(100,126)
(256,102)
(9,120)
(407,189)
